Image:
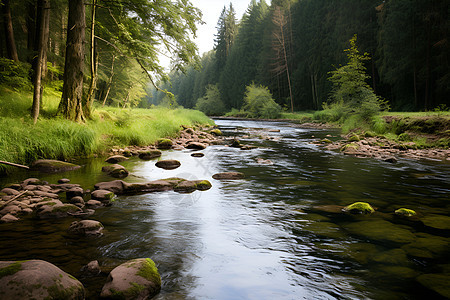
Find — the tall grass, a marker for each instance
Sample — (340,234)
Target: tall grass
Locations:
(56,138)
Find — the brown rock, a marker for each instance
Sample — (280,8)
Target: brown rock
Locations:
(86,228)
(195,145)
(8,218)
(228,176)
(116,159)
(168,164)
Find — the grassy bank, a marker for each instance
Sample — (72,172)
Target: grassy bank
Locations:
(55,138)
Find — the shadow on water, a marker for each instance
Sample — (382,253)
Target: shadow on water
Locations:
(272,235)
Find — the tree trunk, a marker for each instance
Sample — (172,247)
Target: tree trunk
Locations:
(31,30)
(71,105)
(11,49)
(93,82)
(108,86)
(42,58)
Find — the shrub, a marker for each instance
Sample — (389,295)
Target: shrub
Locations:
(211,104)
(14,74)
(258,103)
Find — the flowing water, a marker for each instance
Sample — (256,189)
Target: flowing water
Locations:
(263,237)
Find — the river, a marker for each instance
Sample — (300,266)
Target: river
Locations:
(262,237)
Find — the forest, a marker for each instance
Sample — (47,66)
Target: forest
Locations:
(291,47)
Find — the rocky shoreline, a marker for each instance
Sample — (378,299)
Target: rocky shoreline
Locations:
(135,279)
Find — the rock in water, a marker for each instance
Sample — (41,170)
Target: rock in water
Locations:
(116,171)
(135,279)
(37,279)
(52,166)
(149,154)
(86,228)
(228,175)
(164,144)
(359,208)
(116,159)
(168,164)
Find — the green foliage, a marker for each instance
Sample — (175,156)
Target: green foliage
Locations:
(350,89)
(14,74)
(169,101)
(211,104)
(258,103)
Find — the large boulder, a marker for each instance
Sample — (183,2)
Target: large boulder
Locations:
(52,166)
(116,171)
(228,175)
(37,279)
(102,195)
(86,228)
(168,164)
(135,279)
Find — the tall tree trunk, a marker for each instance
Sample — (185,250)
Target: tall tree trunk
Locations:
(71,105)
(42,58)
(93,82)
(31,29)
(11,49)
(108,86)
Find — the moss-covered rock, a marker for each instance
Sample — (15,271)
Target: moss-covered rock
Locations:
(102,195)
(135,279)
(37,279)
(216,132)
(52,166)
(405,212)
(391,257)
(164,144)
(325,229)
(381,231)
(359,208)
(116,171)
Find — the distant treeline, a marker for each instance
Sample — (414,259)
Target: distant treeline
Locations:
(292,45)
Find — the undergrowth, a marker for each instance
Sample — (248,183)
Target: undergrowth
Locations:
(56,138)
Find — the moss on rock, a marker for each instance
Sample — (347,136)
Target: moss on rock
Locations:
(406,212)
(164,144)
(11,269)
(359,208)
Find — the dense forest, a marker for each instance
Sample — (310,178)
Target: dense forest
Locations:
(93,52)
(292,46)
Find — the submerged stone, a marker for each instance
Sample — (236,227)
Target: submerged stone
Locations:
(228,175)
(437,222)
(37,279)
(86,228)
(135,279)
(428,246)
(391,257)
(359,208)
(436,282)
(325,229)
(381,231)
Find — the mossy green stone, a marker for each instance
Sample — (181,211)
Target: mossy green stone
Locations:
(381,231)
(216,132)
(405,212)
(359,207)
(354,138)
(150,272)
(203,185)
(11,269)
(164,143)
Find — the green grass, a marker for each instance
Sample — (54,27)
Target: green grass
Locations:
(55,138)
(303,116)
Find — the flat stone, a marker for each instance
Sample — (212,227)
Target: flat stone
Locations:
(52,166)
(8,218)
(116,159)
(149,154)
(168,164)
(228,176)
(198,155)
(116,171)
(196,145)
